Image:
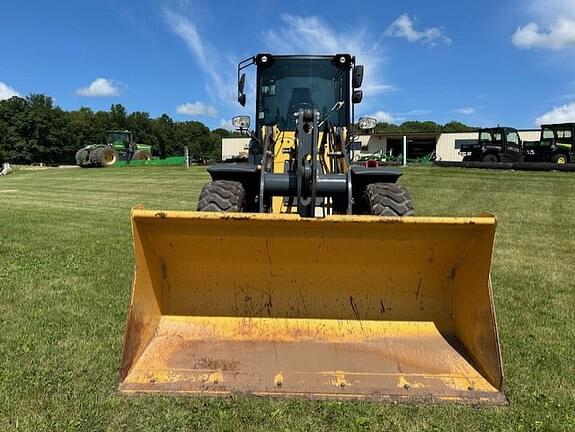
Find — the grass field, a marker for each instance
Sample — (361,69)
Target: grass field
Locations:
(66,265)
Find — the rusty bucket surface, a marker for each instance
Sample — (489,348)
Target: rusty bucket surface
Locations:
(345,307)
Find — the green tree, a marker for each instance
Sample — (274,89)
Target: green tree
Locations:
(118,117)
(455,126)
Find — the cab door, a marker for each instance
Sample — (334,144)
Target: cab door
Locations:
(513,148)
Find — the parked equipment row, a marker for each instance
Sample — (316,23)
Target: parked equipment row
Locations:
(556,145)
(518,166)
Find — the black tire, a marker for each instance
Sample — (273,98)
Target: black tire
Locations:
(559,158)
(466,158)
(81,156)
(222,196)
(489,158)
(387,199)
(142,155)
(104,156)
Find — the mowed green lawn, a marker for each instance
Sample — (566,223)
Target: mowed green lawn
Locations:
(66,265)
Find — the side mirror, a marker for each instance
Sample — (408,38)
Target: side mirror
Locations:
(366,123)
(357,96)
(241,122)
(241,94)
(357,78)
(241,83)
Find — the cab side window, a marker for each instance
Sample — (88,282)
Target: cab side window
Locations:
(512,138)
(564,136)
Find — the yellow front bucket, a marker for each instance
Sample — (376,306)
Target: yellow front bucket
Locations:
(347,307)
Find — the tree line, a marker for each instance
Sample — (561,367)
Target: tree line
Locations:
(425,126)
(33,129)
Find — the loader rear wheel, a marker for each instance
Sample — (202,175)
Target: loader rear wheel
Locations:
(222,196)
(388,199)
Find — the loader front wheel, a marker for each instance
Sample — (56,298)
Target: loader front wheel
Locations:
(222,196)
(388,199)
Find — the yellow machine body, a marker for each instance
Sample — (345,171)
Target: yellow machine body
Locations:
(342,307)
(286,140)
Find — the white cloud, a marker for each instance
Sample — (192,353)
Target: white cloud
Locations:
(549,10)
(100,87)
(197,109)
(558,36)
(553,29)
(383,117)
(205,56)
(404,27)
(465,110)
(227,124)
(6,92)
(561,114)
(310,35)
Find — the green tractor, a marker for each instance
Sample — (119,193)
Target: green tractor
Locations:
(556,144)
(120,145)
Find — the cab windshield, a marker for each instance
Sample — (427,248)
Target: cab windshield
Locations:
(114,137)
(288,85)
(490,136)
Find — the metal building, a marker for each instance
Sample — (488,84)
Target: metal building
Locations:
(446,145)
(233,148)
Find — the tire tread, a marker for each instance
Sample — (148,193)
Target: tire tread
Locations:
(388,199)
(222,196)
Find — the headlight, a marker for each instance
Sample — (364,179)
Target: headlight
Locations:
(365,123)
(241,122)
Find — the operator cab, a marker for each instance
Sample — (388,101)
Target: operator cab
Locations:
(119,137)
(499,144)
(286,84)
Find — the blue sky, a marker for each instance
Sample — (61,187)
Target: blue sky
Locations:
(483,63)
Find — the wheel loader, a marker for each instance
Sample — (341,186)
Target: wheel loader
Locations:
(303,275)
(120,145)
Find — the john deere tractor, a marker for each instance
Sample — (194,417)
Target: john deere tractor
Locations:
(120,145)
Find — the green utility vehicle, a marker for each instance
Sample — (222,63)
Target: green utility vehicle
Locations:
(556,144)
(499,144)
(120,145)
